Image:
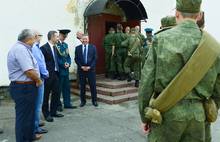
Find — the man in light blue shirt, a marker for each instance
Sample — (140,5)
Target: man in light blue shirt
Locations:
(44,74)
(25,79)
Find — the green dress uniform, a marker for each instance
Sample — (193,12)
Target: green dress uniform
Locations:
(63,56)
(107,45)
(169,52)
(120,52)
(132,62)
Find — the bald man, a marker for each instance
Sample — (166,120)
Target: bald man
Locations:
(38,55)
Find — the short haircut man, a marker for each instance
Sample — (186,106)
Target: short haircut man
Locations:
(86,68)
(52,82)
(169,53)
(25,78)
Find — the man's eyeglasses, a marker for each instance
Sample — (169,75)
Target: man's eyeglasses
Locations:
(40,35)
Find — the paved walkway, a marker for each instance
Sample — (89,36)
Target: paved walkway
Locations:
(105,123)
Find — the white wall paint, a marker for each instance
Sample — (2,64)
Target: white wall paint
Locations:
(44,15)
(47,15)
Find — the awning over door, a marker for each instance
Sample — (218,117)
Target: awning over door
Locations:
(133,9)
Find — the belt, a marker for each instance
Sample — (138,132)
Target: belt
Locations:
(120,47)
(28,82)
(191,101)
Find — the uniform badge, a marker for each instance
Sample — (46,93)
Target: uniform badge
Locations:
(67,51)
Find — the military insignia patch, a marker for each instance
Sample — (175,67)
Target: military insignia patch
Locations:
(67,51)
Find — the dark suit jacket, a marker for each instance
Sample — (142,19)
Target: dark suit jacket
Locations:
(50,63)
(91,58)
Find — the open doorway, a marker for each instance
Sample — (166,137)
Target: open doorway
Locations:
(108,25)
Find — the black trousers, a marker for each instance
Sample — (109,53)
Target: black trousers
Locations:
(55,88)
(92,84)
(24,96)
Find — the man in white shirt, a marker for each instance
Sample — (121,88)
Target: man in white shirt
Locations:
(78,41)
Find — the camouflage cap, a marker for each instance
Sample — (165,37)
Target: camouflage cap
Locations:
(133,30)
(168,21)
(188,6)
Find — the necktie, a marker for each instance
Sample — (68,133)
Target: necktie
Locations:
(84,55)
(63,45)
(55,58)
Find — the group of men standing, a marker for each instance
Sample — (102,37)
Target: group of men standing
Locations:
(123,52)
(36,72)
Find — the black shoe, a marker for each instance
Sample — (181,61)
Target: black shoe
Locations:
(1,132)
(95,103)
(49,119)
(106,75)
(82,104)
(136,83)
(70,107)
(60,109)
(113,76)
(41,131)
(41,124)
(130,77)
(57,115)
(121,77)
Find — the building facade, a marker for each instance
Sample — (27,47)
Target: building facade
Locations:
(54,14)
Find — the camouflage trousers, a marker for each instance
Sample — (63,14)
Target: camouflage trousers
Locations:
(208,136)
(185,122)
(108,55)
(132,63)
(121,54)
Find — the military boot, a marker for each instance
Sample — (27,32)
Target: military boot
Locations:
(113,76)
(137,83)
(121,76)
(130,77)
(107,75)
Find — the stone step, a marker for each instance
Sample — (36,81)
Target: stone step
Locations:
(108,99)
(108,83)
(112,92)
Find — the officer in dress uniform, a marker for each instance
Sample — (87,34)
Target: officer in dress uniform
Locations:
(64,64)
(148,34)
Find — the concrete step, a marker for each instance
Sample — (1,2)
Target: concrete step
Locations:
(108,99)
(112,92)
(108,83)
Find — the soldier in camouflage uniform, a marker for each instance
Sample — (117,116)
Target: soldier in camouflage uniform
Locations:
(107,45)
(208,136)
(127,32)
(119,51)
(167,23)
(132,60)
(146,48)
(169,52)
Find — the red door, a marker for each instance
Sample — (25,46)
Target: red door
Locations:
(96,39)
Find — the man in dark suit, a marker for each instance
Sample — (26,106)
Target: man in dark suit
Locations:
(86,59)
(52,82)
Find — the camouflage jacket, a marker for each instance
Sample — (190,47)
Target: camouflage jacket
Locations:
(129,44)
(107,41)
(169,52)
(128,35)
(118,38)
(146,49)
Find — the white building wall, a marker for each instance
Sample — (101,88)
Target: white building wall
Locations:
(44,15)
(47,15)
